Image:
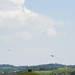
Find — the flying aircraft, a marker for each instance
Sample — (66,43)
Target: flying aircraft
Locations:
(52,55)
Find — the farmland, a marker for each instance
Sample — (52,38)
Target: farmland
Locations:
(59,71)
(45,69)
(47,72)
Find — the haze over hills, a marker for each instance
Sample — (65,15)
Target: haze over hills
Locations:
(10,68)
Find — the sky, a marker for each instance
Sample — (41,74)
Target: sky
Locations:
(33,30)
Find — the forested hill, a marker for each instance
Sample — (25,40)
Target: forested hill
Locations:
(11,68)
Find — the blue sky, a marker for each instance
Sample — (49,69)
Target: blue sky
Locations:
(58,9)
(32,30)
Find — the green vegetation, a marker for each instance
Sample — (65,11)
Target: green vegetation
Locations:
(6,68)
(47,72)
(45,69)
(28,73)
(60,71)
(64,71)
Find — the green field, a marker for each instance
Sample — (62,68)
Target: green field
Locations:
(47,72)
(59,71)
(29,73)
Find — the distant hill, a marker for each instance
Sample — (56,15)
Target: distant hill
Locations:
(10,68)
(47,66)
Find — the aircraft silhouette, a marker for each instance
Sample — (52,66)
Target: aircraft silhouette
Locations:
(52,55)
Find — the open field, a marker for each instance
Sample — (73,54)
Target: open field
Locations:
(29,73)
(44,72)
(59,71)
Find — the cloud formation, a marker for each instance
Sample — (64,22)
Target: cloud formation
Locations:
(18,22)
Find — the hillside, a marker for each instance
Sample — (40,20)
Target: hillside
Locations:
(59,71)
(64,71)
(10,68)
(29,73)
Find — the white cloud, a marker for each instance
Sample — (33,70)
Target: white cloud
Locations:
(52,32)
(15,17)
(23,36)
(18,2)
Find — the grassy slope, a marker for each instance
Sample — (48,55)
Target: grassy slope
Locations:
(60,71)
(47,72)
(29,73)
